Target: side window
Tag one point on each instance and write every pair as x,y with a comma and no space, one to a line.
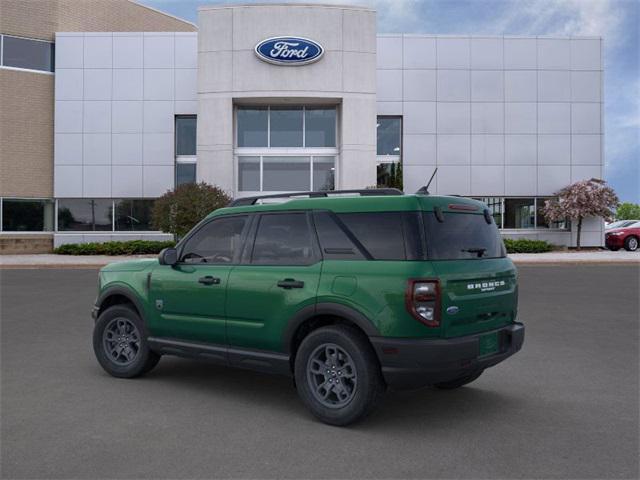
283,239
215,243
386,235
334,242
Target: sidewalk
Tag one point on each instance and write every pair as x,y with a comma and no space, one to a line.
94,261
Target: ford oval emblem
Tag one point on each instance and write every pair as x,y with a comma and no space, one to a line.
452,310
289,51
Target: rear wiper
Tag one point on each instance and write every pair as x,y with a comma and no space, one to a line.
479,251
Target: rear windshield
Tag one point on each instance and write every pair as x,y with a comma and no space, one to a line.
461,236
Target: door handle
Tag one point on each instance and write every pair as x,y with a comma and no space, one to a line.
289,283
209,280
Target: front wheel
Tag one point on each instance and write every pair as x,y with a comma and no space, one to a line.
120,343
337,375
459,382
631,244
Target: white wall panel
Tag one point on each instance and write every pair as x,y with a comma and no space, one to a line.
554,86
520,180
585,118
127,51
554,54
68,149
454,85
389,85
158,117
585,86
586,150
520,53
453,117
158,51
586,54
158,84
96,149
454,149
487,149
126,149
69,50
389,52
521,85
157,180
552,178
520,118
487,180
419,117
126,181
186,50
419,149
487,85
96,181
68,84
97,84
158,149
453,52
419,52
127,117
419,85
520,149
554,149
554,118
96,116
68,116
454,180
487,53
128,84
98,51
487,117
67,181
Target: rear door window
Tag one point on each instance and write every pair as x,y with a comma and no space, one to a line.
283,239
386,235
462,236
334,239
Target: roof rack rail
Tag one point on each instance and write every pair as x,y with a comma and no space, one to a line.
325,193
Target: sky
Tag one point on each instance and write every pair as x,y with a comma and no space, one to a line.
617,21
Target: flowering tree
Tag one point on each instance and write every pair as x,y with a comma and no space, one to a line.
586,198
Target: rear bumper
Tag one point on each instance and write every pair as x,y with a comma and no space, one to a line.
408,364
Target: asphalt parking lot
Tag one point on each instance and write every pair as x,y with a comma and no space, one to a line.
565,406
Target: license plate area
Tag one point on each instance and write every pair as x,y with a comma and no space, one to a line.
489,344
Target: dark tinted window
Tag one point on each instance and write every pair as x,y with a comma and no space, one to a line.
320,127
253,125
283,239
186,135
81,214
27,215
389,132
133,215
383,234
462,236
216,242
26,53
334,242
185,173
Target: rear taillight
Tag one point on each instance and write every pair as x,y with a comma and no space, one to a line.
423,301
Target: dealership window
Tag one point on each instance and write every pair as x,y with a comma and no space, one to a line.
26,215
286,148
133,215
104,215
186,140
26,53
86,215
521,213
389,151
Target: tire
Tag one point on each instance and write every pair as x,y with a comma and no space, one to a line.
122,323
614,249
459,382
631,243
342,355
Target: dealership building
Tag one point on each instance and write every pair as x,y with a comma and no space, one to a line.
109,104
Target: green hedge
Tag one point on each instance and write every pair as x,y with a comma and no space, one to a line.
524,245
132,247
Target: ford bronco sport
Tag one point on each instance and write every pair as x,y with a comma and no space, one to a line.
347,292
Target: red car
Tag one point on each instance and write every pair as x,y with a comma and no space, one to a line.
627,237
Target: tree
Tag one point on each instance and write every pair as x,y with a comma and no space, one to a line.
586,198
178,211
628,211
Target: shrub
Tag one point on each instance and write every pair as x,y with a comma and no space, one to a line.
132,247
178,211
524,245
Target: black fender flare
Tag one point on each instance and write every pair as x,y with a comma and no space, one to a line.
123,291
333,309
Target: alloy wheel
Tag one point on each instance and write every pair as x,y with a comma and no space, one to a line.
121,341
331,374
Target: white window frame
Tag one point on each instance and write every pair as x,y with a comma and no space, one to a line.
19,69
268,151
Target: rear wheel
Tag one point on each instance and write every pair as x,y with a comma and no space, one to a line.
631,244
120,343
459,382
337,375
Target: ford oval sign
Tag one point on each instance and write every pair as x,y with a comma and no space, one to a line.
289,51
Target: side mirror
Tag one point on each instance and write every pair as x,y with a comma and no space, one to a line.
168,256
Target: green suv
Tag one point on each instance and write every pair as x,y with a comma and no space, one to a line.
348,292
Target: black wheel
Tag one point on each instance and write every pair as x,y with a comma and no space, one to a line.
459,382
631,244
337,375
120,343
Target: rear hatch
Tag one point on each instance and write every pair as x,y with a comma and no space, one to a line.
478,283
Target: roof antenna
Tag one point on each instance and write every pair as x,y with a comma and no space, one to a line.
425,189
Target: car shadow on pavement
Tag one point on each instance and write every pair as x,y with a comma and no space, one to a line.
398,410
